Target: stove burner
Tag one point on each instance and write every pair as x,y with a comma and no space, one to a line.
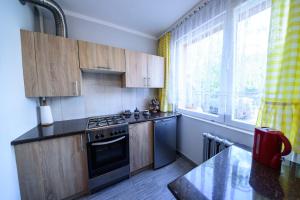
98,122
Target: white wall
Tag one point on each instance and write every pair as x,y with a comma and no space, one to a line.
190,140
17,113
82,29
102,93
90,31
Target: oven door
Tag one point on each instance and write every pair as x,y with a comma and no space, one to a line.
107,155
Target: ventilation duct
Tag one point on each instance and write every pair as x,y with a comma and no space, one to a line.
59,16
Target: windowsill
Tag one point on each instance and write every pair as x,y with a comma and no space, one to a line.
293,157
220,125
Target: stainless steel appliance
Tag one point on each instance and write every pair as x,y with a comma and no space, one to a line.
108,151
165,131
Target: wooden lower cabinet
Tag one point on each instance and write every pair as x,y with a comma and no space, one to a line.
52,169
141,145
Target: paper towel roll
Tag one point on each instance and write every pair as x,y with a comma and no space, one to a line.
46,115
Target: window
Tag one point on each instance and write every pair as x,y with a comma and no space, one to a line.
221,69
249,61
201,71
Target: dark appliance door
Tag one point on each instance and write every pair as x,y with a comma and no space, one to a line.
165,131
108,155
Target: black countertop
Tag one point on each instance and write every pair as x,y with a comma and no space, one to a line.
77,126
154,116
232,174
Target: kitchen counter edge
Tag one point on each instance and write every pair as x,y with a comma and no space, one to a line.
76,126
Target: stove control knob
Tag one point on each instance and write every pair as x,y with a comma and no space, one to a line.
111,133
97,136
102,135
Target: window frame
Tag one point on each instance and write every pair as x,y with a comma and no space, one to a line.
207,116
227,66
228,119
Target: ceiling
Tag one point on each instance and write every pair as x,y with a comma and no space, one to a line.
148,17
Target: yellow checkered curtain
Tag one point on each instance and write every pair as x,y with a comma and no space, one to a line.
280,108
164,51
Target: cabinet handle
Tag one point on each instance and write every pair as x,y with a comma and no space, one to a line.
81,143
145,82
76,88
100,67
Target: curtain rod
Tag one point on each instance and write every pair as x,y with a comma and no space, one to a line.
186,16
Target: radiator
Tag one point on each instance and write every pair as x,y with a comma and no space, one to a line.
213,145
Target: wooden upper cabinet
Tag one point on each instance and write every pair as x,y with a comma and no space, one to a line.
143,70
57,65
92,56
29,64
140,145
116,59
136,69
101,57
156,72
50,65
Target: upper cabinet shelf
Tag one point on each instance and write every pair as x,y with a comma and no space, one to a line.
97,57
52,65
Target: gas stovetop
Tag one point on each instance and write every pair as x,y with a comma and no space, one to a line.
105,121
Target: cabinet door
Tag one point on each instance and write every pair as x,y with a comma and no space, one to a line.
156,72
57,66
93,56
116,59
30,171
29,64
101,57
52,169
141,145
65,167
136,69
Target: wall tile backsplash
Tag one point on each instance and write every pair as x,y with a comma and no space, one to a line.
102,95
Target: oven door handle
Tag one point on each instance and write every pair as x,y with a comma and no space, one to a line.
109,142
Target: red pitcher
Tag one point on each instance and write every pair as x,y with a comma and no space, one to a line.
267,147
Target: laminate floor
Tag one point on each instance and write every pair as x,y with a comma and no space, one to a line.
147,185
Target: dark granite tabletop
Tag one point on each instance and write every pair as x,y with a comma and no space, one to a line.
232,174
77,126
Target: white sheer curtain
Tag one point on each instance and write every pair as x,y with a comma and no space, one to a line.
218,59
209,16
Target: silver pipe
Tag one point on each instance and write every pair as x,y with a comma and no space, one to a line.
59,16
39,20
